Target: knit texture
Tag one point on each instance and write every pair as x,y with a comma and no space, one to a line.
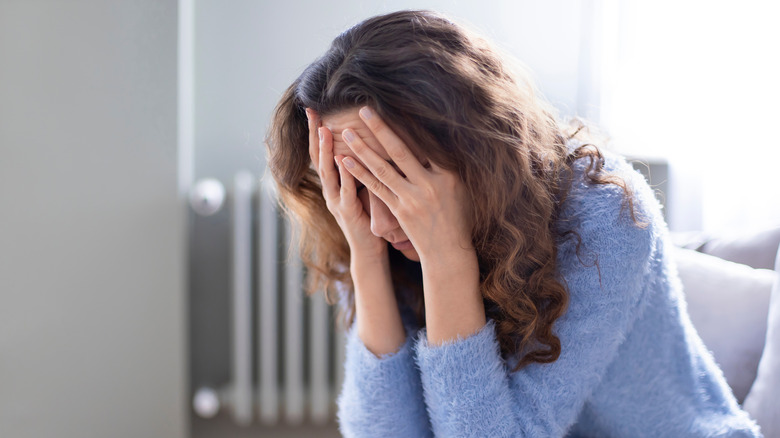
631,363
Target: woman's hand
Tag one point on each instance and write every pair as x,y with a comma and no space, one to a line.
432,207
378,319
429,202
339,191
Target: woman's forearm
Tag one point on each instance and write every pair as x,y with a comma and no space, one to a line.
377,316
453,302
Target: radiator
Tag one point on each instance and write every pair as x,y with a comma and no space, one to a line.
285,367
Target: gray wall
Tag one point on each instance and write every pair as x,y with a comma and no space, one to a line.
248,52
92,321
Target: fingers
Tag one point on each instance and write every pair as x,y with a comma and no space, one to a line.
348,186
378,166
371,182
327,166
321,152
394,145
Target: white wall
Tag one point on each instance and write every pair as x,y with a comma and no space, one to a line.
697,83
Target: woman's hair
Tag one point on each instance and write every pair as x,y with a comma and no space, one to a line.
454,100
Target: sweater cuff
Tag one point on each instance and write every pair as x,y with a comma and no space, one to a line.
360,354
480,344
465,383
381,396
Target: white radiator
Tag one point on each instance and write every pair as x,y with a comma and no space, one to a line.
292,330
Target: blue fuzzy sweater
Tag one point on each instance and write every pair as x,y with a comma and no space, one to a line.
631,363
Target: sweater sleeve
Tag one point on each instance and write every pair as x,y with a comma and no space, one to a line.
381,396
470,391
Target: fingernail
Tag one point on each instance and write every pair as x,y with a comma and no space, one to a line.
348,162
319,131
348,135
308,114
366,112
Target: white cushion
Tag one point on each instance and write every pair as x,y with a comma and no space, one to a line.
728,303
763,401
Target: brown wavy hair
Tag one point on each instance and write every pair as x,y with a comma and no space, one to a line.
456,101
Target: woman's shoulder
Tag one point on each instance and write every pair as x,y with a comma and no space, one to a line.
623,215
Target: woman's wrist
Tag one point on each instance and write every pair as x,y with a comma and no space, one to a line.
360,259
453,301
377,316
448,261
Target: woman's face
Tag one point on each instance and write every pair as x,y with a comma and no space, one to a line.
383,222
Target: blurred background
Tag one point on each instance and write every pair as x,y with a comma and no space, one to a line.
145,288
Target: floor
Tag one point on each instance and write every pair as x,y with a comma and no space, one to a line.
222,426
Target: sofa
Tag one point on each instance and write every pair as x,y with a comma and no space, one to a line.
732,290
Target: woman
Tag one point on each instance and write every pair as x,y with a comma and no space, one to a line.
499,275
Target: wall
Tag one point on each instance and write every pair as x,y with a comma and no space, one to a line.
247,53
92,340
